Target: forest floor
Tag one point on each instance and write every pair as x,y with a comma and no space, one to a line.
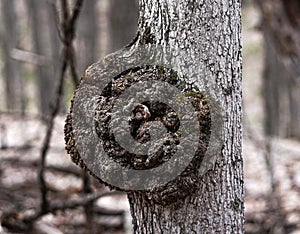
272,166
19,161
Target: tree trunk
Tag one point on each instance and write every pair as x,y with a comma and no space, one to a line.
122,23
201,41
281,24
55,45
88,35
41,39
13,70
212,29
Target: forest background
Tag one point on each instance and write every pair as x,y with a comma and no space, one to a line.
31,58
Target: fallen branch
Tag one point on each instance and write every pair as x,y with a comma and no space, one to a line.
19,221
66,170
81,201
29,57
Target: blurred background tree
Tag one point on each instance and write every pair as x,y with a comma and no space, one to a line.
32,50
12,69
122,23
281,83
44,43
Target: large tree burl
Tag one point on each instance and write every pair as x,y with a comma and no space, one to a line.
144,113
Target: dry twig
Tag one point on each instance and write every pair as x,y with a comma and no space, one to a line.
68,29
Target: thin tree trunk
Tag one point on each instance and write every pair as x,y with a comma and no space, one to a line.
211,28
88,35
37,10
55,46
273,90
13,72
122,20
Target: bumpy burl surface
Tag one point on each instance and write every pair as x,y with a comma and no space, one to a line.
141,116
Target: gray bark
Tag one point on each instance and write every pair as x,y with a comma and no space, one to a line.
122,22
13,70
211,28
192,34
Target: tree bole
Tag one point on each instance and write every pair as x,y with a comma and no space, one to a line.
209,32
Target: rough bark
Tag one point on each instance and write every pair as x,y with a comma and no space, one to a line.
281,24
212,28
122,20
13,70
209,35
